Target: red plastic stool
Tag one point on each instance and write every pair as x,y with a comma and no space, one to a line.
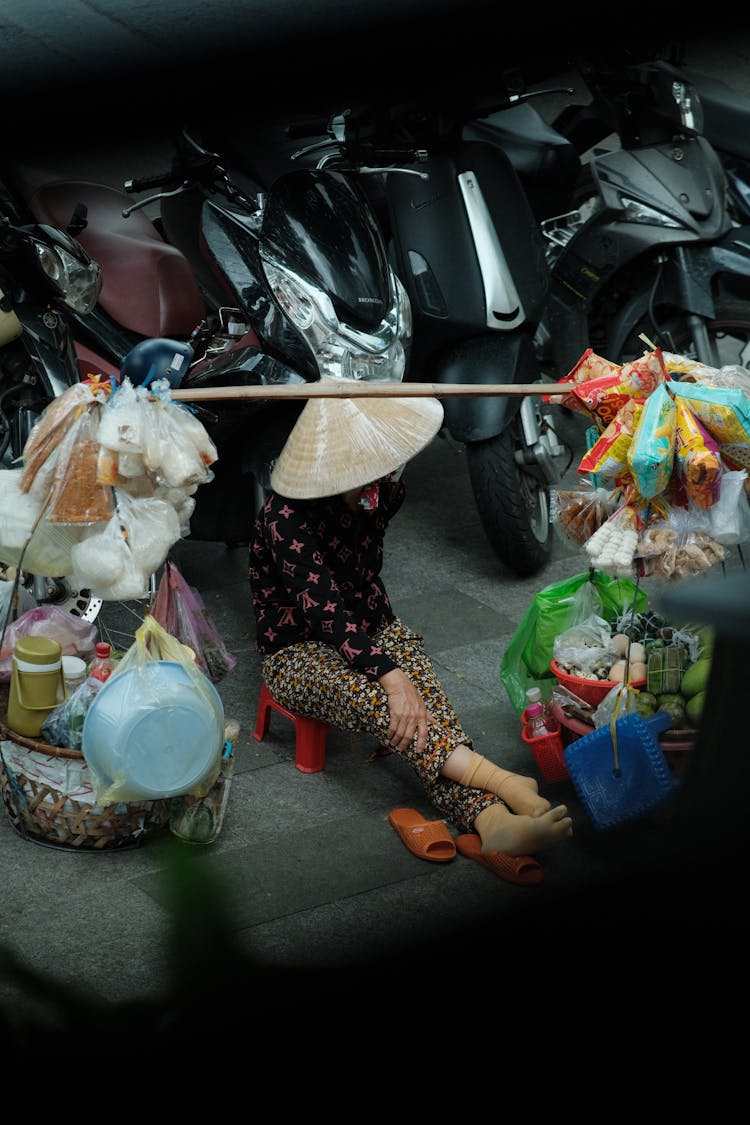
310,733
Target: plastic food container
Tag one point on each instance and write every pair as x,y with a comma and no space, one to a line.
590,691
155,736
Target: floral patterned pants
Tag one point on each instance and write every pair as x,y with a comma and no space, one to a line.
312,679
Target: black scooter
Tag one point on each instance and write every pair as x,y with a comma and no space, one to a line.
279,289
650,248
464,241
45,277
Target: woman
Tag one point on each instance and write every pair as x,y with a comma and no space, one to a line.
332,644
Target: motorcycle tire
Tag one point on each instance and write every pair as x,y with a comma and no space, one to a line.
513,505
729,332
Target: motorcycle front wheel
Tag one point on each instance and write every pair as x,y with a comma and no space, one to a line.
513,505
729,332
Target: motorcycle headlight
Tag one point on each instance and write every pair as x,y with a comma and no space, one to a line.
77,281
637,212
340,351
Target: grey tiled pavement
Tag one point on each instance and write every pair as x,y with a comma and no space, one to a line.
307,882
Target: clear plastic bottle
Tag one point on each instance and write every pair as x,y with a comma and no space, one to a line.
102,665
536,725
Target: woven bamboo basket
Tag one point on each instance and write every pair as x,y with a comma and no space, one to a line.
48,795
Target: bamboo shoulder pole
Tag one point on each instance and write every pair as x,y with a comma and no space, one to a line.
334,389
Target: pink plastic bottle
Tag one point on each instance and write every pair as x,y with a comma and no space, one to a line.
101,665
536,726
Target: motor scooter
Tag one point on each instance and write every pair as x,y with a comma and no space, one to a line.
284,288
45,276
650,248
523,242
463,239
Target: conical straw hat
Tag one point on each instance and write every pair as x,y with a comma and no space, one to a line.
343,443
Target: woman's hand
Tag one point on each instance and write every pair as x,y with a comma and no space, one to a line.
409,715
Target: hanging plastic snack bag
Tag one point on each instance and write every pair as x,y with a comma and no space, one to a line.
602,398
607,458
124,420
612,548
25,533
723,411
699,467
177,450
692,370
642,376
183,502
651,452
194,431
76,496
577,513
677,548
589,366
54,423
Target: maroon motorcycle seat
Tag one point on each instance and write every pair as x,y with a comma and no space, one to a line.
147,285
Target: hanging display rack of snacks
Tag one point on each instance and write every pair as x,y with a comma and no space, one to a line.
664,487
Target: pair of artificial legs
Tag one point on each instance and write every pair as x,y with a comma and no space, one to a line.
524,823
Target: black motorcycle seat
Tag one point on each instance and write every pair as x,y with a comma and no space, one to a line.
147,285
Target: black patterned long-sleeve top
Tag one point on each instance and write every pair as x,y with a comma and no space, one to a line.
315,575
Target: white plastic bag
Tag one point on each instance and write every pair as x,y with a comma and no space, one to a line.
104,563
729,517
49,549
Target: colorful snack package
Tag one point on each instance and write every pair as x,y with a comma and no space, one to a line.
601,398
697,458
723,411
608,456
651,452
612,547
589,366
691,370
642,376
578,513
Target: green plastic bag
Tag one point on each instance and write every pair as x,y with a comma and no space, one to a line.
559,606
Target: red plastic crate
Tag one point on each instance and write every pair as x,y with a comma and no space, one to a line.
548,751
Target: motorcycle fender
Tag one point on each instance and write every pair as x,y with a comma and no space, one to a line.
482,360
604,247
730,259
688,283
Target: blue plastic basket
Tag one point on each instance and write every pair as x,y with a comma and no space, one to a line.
620,784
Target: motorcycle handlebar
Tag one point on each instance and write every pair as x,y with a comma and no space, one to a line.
146,183
303,129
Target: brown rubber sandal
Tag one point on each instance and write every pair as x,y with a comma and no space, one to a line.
523,870
427,839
